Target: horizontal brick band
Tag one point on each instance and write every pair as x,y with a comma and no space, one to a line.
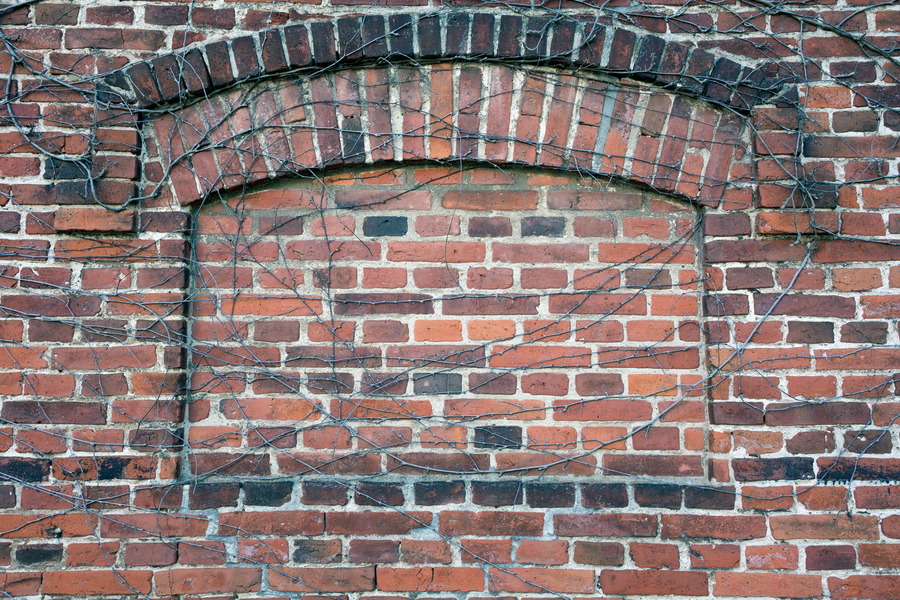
568,42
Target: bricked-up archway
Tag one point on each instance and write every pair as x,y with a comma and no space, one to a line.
416,320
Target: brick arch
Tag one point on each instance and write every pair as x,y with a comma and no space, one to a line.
449,112
683,136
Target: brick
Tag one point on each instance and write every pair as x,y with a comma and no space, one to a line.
874,587
651,582
790,527
487,523
606,525
830,558
767,584
727,528
607,554
430,579
536,580
319,580
498,493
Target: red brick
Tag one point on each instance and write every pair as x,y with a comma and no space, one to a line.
654,583
490,523
96,582
727,528
767,585
715,556
609,525
490,200
865,587
540,580
319,580
824,527
430,579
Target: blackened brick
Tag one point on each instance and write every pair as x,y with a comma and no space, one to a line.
400,36
374,551
429,28
537,32
658,495
218,56
296,39
622,49
168,76
694,77
433,493
214,495
165,15
483,35
272,49
379,494
563,39
649,56
350,37
144,84
322,492
604,495
38,553
593,39
7,496
438,383
607,554
373,37
868,442
724,75
324,51
245,57
709,498
385,226
457,34
24,469
770,469
508,41
550,495
830,558
503,493
9,222
267,493
194,73
498,436
864,332
672,63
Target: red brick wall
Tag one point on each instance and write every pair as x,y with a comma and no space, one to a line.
481,304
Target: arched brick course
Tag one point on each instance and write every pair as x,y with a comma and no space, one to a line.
243,95
447,112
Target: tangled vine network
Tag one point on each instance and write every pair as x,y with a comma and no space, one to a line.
456,255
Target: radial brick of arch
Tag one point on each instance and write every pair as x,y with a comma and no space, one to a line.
490,113
261,107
